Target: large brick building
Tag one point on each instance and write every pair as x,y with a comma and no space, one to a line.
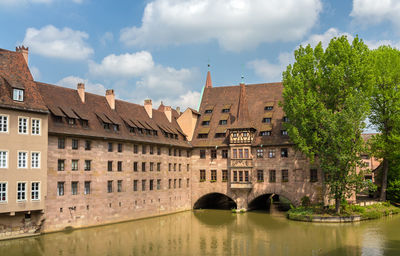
104,160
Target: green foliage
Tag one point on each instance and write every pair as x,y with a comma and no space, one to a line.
326,98
393,191
305,201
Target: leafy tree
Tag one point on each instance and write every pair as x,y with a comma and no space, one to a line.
326,98
385,109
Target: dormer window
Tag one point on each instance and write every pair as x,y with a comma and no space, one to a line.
18,94
223,122
268,108
208,111
225,110
266,120
265,133
205,123
284,133
116,127
106,126
71,121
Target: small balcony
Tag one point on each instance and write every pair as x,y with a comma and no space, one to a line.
241,185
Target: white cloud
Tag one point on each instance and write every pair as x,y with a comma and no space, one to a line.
375,44
269,71
72,81
189,99
127,65
373,11
65,43
326,37
35,73
235,24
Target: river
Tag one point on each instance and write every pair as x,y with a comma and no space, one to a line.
217,232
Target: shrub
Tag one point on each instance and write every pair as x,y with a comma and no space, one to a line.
305,201
393,191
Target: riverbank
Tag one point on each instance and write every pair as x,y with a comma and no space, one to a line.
349,213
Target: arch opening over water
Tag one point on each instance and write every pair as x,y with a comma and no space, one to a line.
268,202
215,201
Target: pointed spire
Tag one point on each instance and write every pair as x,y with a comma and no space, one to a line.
208,81
243,116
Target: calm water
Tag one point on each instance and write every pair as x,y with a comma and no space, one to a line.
217,232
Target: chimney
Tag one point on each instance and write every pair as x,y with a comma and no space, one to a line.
24,50
178,109
110,96
168,113
81,91
148,106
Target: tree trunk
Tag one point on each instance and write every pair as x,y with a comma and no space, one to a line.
337,205
385,169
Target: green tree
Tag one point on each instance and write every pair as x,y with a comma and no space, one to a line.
326,98
385,109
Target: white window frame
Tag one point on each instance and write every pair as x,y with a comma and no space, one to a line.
18,191
38,160
6,160
26,160
17,96
26,125
38,191
38,128
6,192
2,116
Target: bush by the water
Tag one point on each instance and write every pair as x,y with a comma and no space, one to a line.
393,191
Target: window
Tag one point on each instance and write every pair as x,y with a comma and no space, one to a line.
265,133
284,133
285,119
85,123
109,186
272,176
143,185
260,153
110,147
271,153
74,187
18,94
208,111
119,166
88,164
22,159
135,185
213,153
187,182
223,122
213,175
3,192
109,166
175,152
75,144
71,121
169,183
35,126
143,167
61,143
240,153
202,136
246,153
135,149
268,108
169,167
151,150
35,191
60,165
170,152
313,175
74,165
60,188
285,175
151,166
202,175
246,176
202,153
119,186
225,110
187,153
87,188
88,145
143,149
235,178
158,184
266,120
158,151
158,167
240,176
23,125
260,175
180,183
3,159
174,167
284,152
120,147
234,153
21,191
3,123
35,160
151,184
224,175
187,167
135,166
174,183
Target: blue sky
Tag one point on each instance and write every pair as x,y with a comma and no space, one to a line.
160,49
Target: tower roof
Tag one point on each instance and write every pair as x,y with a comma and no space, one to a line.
208,81
242,116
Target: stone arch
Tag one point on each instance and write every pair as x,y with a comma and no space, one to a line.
214,200
257,195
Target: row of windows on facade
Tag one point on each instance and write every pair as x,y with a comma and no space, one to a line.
120,146
223,134
243,176
267,120
152,185
22,191
88,166
23,159
243,153
23,124
227,110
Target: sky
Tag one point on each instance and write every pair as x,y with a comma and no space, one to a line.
160,49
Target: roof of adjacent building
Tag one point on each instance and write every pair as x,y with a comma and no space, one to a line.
246,105
66,102
14,73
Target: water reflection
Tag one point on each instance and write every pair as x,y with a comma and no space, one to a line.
217,232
